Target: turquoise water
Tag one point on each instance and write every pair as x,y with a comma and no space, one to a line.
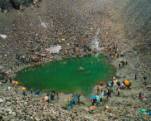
68,75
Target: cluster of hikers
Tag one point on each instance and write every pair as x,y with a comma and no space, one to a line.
51,96
102,91
105,90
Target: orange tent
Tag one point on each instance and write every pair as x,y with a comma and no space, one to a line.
127,83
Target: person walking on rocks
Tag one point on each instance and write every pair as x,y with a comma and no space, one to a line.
135,76
109,91
118,91
24,93
46,98
98,89
52,95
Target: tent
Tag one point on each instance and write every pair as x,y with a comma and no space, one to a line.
127,83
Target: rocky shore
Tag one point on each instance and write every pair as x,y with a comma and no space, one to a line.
15,107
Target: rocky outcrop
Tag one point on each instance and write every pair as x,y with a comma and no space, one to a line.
16,4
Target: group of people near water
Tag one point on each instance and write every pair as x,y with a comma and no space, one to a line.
51,96
105,90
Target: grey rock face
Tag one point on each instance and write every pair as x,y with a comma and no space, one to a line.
16,4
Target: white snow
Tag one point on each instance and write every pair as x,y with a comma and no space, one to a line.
55,49
43,24
3,36
95,41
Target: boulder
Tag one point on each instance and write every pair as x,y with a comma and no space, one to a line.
16,4
1,100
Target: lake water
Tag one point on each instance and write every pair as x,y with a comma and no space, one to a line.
68,75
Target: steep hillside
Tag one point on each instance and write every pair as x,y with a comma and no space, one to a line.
136,18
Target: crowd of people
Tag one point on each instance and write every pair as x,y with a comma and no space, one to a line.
103,91
106,90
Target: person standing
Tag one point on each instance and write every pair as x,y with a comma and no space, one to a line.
108,93
118,91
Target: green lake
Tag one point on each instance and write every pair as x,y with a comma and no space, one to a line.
68,75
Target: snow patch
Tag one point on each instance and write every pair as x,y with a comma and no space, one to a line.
54,49
3,36
94,45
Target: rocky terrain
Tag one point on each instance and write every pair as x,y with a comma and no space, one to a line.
124,34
